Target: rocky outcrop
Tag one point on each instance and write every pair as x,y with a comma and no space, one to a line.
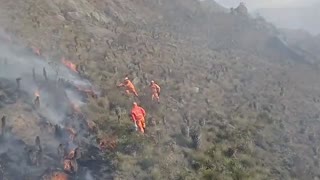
240,10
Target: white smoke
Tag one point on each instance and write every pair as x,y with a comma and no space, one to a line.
16,61
88,176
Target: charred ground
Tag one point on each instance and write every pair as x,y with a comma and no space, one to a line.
245,99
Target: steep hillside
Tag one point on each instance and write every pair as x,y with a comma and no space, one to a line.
237,101
294,18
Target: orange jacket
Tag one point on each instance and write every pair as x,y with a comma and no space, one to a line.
137,113
155,88
128,84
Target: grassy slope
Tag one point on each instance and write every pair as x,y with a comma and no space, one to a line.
181,46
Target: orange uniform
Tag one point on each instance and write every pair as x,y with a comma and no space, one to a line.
129,87
138,116
155,89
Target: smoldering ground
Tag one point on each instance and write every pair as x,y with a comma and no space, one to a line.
17,62
34,103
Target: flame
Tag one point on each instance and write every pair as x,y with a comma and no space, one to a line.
69,65
67,165
36,93
71,154
71,130
75,108
59,176
36,51
108,143
83,89
70,166
92,126
72,133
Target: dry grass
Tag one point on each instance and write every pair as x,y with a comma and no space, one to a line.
225,56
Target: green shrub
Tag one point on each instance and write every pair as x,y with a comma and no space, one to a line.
146,163
210,174
156,174
246,161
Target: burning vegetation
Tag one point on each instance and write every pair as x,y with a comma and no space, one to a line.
37,100
55,175
54,110
107,143
69,65
87,92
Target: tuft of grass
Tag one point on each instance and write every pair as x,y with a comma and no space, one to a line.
155,174
146,163
126,162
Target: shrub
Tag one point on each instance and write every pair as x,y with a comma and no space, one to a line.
196,139
156,174
146,163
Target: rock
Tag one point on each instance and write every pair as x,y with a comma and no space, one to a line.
60,18
241,9
196,89
73,15
96,16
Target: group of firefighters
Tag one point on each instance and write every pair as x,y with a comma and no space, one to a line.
138,114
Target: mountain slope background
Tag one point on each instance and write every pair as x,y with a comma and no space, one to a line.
249,97
294,18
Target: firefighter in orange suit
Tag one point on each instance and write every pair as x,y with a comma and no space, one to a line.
138,115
